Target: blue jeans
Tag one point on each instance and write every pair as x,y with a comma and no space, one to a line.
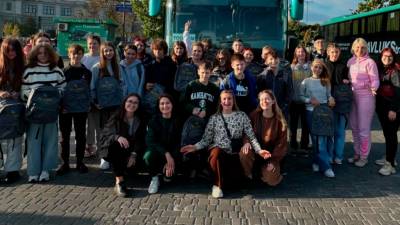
320,144
339,138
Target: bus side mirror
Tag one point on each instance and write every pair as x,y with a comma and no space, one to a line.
296,9
154,7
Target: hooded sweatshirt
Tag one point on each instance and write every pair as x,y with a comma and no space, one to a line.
363,73
133,76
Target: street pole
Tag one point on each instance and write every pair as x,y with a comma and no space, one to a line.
123,23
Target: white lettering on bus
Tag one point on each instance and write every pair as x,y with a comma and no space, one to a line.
377,46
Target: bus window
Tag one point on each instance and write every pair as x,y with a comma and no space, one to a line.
355,27
375,24
393,21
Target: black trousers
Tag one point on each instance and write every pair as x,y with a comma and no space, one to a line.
65,121
119,158
298,111
390,129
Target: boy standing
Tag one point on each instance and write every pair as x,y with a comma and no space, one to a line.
75,107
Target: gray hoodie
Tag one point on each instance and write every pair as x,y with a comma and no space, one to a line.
133,76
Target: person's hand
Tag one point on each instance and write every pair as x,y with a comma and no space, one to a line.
131,161
188,149
170,165
123,142
392,115
202,114
314,101
188,24
149,86
246,148
264,154
5,94
346,81
373,91
331,102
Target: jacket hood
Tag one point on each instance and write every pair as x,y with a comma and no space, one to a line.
124,64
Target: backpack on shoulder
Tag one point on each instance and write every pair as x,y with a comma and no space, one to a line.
149,102
11,118
343,97
108,92
185,73
43,104
193,130
76,97
322,121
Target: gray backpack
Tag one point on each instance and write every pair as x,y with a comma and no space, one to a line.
11,118
185,73
193,130
108,92
343,97
43,104
149,102
322,121
76,97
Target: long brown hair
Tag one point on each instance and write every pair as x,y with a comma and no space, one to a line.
103,61
325,77
183,57
235,107
295,59
33,56
16,65
275,109
122,112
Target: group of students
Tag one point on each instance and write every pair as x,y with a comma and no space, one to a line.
180,114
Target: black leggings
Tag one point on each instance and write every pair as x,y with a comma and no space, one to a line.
119,158
390,129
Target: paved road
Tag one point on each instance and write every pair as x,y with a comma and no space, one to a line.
356,196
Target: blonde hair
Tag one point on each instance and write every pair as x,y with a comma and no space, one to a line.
230,92
324,77
359,41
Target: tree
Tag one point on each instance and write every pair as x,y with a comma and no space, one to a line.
368,5
28,27
11,29
152,26
303,32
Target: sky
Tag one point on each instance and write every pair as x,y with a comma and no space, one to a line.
322,10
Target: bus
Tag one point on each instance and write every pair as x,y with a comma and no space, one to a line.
380,28
256,22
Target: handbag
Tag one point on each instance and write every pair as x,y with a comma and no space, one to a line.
236,143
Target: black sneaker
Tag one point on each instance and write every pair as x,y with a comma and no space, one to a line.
120,189
64,169
12,177
82,168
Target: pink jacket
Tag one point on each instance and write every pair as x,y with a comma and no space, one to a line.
363,73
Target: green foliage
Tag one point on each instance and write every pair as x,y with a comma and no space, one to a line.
153,27
29,27
368,5
11,29
303,32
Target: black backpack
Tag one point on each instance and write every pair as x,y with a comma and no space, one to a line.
193,130
108,92
343,98
322,121
149,102
11,118
43,104
76,97
185,73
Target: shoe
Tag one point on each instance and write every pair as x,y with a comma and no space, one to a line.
82,168
33,179
216,192
120,189
167,179
154,185
338,161
90,151
353,159
44,176
387,169
381,162
315,167
12,177
329,173
104,165
361,163
64,169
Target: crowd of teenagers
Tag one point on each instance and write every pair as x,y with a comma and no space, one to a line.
197,111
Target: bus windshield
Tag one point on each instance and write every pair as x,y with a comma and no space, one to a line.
253,21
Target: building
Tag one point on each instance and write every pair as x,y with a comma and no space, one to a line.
40,12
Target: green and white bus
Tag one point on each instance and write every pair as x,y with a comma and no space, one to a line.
255,22
380,28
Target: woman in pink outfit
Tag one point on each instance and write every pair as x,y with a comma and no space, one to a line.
364,77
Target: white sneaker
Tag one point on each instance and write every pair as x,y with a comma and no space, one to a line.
154,184
104,165
44,176
329,173
315,167
381,162
361,163
387,169
33,179
338,161
216,192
